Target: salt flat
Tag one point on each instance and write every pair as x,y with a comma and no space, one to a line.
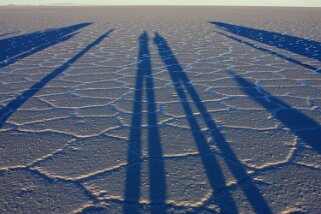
160,110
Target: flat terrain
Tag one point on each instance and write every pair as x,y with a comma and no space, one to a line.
160,110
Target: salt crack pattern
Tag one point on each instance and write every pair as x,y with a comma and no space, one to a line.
209,116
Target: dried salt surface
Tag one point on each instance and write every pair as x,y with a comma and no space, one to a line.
196,119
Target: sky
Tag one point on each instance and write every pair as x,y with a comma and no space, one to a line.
294,3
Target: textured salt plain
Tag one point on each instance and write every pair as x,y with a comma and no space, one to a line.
160,110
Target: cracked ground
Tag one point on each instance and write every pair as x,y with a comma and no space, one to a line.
160,110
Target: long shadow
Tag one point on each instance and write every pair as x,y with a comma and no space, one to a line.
211,165
303,47
289,59
16,48
301,125
6,34
7,111
157,179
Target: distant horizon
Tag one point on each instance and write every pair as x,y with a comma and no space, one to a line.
146,5
236,3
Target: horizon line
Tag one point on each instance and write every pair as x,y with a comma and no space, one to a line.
152,5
